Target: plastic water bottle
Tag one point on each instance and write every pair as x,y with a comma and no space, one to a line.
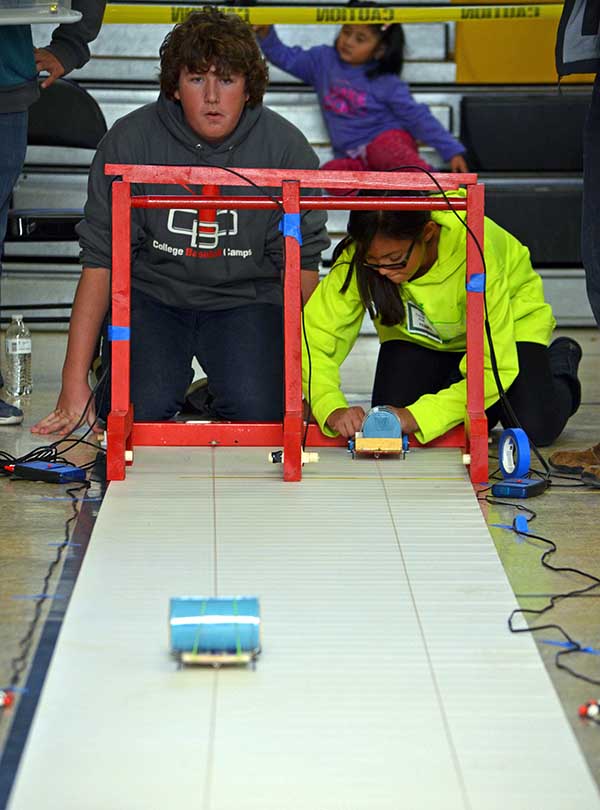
18,358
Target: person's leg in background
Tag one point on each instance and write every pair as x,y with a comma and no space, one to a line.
13,137
587,462
405,371
546,391
241,351
544,395
346,164
392,149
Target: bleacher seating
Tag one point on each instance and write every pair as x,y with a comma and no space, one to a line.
527,147
526,143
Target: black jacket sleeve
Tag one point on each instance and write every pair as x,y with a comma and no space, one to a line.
70,40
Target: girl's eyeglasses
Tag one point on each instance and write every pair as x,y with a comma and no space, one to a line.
396,265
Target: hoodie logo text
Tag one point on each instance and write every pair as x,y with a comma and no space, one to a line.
203,235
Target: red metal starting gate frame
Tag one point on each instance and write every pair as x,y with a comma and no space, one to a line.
124,433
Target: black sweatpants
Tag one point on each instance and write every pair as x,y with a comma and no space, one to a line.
541,401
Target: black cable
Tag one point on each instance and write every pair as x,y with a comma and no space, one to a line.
521,507
18,664
49,452
575,646
492,477
309,382
577,482
261,189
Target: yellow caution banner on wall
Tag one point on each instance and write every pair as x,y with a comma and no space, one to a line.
337,15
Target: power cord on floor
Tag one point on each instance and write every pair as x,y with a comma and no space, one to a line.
549,477
520,527
50,452
19,663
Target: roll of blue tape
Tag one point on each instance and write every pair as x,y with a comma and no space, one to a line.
513,453
381,423
214,624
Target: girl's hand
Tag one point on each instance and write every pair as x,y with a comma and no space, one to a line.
458,164
261,31
69,412
407,420
346,421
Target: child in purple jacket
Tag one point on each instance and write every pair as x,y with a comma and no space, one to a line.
372,119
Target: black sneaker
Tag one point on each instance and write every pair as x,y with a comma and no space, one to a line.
9,415
199,400
564,355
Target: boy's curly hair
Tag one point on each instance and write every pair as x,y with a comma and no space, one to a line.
209,37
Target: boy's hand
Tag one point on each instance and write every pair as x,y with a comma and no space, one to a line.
346,421
44,60
261,31
69,413
458,164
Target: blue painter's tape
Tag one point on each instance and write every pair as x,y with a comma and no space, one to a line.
476,283
514,455
119,333
66,545
568,646
510,528
215,624
36,596
289,225
521,524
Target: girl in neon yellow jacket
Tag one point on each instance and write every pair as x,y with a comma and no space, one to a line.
407,270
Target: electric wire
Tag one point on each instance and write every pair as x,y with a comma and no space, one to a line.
574,646
19,662
50,452
576,482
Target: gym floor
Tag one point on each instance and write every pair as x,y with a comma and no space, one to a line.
33,517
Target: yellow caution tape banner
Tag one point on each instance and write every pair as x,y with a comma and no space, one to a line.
336,15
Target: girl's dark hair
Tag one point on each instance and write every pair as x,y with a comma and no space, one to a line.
380,296
209,37
392,41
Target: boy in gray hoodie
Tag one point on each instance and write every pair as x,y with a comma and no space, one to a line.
216,293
